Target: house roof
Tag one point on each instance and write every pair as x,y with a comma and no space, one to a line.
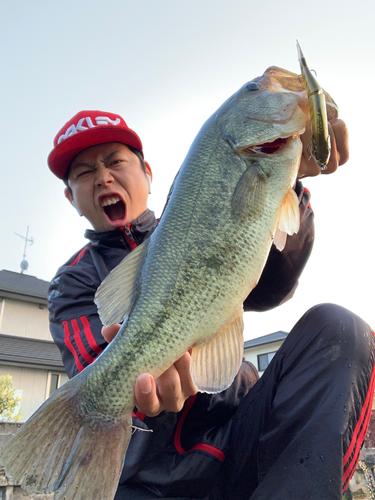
266,339
26,351
23,286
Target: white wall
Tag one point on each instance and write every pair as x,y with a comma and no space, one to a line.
24,319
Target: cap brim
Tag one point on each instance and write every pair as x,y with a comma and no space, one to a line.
62,155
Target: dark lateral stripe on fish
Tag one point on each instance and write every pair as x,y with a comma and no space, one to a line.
359,434
79,256
69,345
89,336
212,450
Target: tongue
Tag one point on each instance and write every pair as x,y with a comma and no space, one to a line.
116,211
268,147
272,147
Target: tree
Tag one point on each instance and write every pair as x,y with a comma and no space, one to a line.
10,410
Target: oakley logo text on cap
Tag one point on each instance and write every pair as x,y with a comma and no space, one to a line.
100,120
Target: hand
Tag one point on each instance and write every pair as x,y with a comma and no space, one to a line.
339,150
167,392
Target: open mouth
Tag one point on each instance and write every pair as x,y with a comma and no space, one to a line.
114,208
267,148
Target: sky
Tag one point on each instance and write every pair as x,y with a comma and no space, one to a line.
166,66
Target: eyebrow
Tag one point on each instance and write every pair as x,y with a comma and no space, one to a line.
84,164
110,155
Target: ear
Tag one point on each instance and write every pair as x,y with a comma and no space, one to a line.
68,196
148,169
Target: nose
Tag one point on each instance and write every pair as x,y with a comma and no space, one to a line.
103,177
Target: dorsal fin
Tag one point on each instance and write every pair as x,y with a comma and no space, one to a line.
114,297
216,362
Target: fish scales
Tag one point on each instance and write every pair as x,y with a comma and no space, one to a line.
163,325
182,288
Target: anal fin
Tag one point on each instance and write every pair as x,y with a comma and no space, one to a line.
216,362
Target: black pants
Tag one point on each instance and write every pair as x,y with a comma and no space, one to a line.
299,431
297,434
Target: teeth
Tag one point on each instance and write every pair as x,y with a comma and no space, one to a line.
110,201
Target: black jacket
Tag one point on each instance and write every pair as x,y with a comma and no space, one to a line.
191,444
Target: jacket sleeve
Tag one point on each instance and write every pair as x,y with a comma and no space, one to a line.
74,323
283,269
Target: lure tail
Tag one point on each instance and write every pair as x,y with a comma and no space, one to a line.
59,451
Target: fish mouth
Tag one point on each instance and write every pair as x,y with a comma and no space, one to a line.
114,209
273,146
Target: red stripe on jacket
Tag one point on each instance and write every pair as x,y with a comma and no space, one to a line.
216,452
90,337
308,192
141,416
78,256
82,349
359,433
69,345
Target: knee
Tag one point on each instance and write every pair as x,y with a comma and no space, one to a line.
337,326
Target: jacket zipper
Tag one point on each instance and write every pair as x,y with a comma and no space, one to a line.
129,236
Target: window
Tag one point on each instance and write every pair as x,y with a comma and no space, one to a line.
54,381
264,360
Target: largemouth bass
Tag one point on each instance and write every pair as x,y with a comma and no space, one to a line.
182,288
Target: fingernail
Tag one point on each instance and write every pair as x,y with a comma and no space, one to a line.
144,383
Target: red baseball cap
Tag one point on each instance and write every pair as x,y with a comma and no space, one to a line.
87,129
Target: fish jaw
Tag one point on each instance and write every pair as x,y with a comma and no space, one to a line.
267,121
276,79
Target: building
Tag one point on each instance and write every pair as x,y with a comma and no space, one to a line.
261,350
27,351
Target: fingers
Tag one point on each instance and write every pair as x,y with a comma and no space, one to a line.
168,392
146,397
340,132
308,167
339,150
176,385
110,332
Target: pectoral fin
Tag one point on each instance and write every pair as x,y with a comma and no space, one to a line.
289,219
216,362
114,297
250,194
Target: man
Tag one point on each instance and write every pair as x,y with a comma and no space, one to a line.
296,433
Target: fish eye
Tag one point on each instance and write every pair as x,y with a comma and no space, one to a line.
252,86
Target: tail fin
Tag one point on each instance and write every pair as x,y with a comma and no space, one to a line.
59,450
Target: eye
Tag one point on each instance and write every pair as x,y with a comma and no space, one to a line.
252,86
116,161
82,172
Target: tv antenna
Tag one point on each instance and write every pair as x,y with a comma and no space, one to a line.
24,263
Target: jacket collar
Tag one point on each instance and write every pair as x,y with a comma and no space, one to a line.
141,228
